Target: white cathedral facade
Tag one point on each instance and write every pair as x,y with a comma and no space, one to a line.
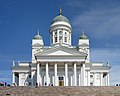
60,64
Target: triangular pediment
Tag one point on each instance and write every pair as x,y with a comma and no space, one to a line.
60,51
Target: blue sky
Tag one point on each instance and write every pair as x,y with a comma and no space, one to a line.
20,19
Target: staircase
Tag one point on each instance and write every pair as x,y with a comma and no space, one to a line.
60,91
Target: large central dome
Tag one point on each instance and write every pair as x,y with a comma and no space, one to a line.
60,17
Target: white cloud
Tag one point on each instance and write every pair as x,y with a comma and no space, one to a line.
98,20
104,54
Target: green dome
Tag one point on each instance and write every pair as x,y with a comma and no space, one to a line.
83,36
60,18
37,36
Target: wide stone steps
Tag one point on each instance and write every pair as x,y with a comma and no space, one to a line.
60,91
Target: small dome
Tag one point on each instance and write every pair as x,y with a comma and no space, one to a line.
37,36
83,36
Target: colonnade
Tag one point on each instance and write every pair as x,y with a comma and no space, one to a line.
83,76
74,78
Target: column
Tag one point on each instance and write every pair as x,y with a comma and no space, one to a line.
47,75
63,36
38,73
32,75
56,78
79,79
13,77
101,79
71,80
107,79
88,75
83,75
75,75
70,39
94,79
53,38
66,74
58,36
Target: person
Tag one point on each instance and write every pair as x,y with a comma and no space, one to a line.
36,84
45,83
5,83
51,84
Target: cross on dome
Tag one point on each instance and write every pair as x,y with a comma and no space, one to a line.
38,32
60,13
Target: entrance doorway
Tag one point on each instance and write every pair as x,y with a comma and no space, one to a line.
61,81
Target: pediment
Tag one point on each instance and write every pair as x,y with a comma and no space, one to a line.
60,51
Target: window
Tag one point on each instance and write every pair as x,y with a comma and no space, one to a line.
55,33
65,39
60,78
65,33
56,39
91,76
60,38
60,33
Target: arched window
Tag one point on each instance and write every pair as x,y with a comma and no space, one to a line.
65,37
55,36
60,35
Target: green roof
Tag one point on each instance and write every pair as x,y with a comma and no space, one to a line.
83,36
60,17
37,36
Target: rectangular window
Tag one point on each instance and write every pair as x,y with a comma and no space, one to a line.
91,76
55,39
65,39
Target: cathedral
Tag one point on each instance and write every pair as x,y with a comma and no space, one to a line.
60,64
